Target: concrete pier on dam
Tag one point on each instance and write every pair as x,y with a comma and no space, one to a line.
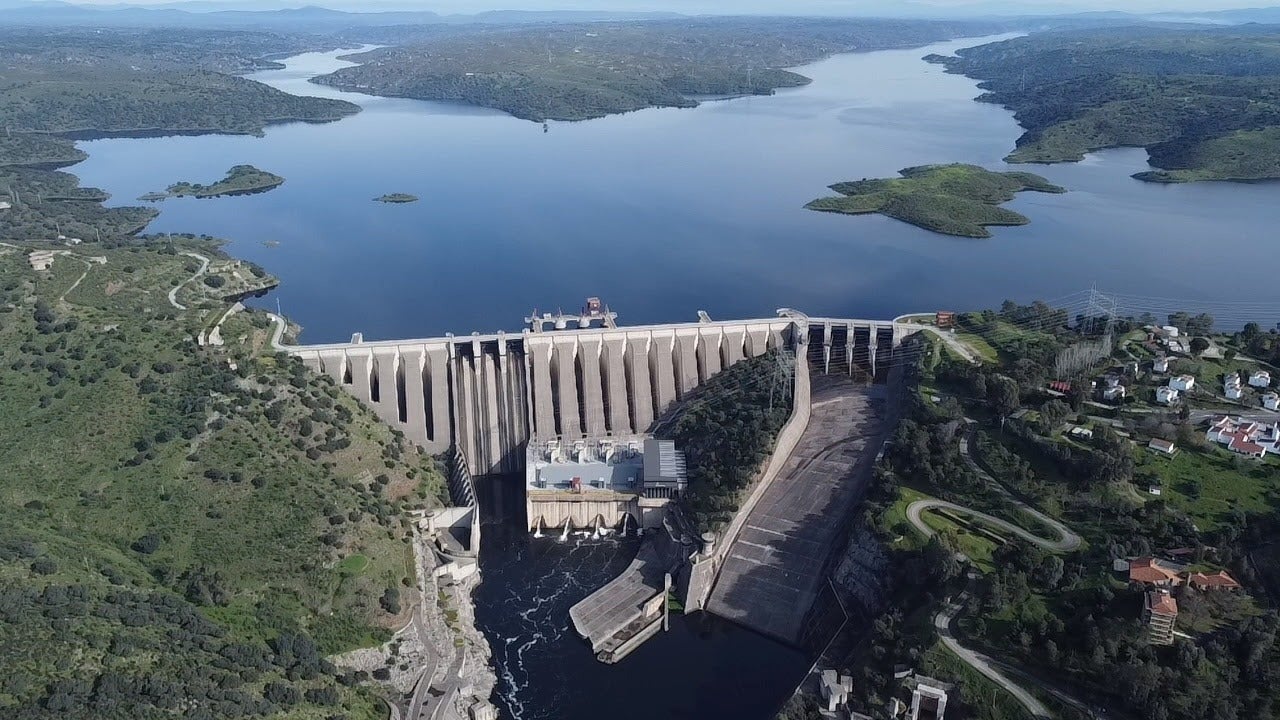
488,396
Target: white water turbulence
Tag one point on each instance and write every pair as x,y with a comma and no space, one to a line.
541,579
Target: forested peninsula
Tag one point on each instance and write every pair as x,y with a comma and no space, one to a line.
960,200
590,70
1203,102
190,528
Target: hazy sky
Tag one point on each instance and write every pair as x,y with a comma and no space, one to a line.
781,7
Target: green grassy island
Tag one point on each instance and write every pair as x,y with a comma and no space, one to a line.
240,180
956,199
397,198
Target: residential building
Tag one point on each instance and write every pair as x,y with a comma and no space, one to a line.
1153,571
1182,383
927,703
1243,438
1081,433
1220,580
1159,613
944,319
1164,447
1161,364
835,689
1231,387
1260,379
1114,393
1154,490
1166,395
1271,401
1170,331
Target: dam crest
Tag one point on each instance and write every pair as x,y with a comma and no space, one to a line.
489,396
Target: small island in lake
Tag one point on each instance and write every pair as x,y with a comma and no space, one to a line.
397,198
956,199
240,180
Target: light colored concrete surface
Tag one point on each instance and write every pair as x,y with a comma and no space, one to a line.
775,567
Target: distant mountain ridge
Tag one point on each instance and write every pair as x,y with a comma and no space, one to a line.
313,17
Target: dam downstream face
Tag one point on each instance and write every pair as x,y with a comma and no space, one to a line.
702,668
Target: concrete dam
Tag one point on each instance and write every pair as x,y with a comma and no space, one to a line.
489,396
574,409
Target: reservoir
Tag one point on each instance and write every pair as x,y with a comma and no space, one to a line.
664,212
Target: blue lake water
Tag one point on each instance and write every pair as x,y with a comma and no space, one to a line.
666,211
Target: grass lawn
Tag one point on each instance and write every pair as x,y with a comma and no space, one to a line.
979,345
1224,481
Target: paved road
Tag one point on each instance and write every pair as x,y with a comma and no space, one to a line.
950,340
204,266
1068,540
915,509
980,662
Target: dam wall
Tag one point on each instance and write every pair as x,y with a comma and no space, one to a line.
488,396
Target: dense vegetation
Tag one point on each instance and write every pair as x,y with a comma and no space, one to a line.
1205,102
57,83
47,204
397,198
240,180
188,530
581,71
1067,621
158,484
957,199
726,430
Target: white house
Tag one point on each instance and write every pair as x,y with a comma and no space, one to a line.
1116,392
1271,401
1164,447
1161,364
1231,387
1170,330
1244,437
1166,395
1182,383
1081,433
1260,379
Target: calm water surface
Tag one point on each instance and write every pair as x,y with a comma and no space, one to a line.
666,211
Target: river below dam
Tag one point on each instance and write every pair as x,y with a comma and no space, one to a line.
661,213
702,668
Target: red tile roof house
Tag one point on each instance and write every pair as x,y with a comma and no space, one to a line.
1151,571
1215,581
1243,438
1160,613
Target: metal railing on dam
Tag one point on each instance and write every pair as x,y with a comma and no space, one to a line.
489,395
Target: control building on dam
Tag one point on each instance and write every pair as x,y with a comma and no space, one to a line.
490,396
